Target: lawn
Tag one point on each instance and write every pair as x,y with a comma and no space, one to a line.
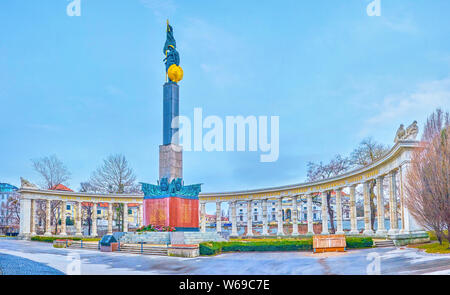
434,246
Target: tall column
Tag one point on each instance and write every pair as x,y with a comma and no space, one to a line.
234,231
48,230
265,229
218,217
309,215
324,214
381,230
393,203
294,216
367,218
202,217
141,215
353,219
280,231
33,218
25,217
78,220
125,217
94,220
110,217
249,218
340,229
63,208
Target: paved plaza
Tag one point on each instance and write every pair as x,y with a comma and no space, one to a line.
26,257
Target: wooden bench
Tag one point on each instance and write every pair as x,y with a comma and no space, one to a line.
329,243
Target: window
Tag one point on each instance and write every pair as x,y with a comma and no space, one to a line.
130,211
99,212
304,216
241,218
68,207
256,217
256,210
273,209
315,216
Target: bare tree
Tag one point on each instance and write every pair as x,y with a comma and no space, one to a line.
10,214
365,154
336,166
52,170
114,176
428,177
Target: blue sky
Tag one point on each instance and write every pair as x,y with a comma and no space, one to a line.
86,87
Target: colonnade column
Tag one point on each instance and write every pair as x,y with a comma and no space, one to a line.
353,219
47,218
63,208
110,216
234,232
249,219
294,216
141,215
94,220
381,230
265,230
393,203
340,229
367,218
202,217
324,214
309,215
218,217
32,217
280,231
78,219
125,217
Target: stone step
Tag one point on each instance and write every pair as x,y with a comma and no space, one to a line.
384,243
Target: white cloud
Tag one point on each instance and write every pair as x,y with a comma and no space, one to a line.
162,9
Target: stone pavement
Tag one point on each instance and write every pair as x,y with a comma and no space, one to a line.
74,261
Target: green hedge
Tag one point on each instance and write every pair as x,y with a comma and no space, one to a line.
357,242
51,239
212,248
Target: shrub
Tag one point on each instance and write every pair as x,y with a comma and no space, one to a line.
51,239
155,228
359,242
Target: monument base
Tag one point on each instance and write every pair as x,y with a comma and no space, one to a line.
175,211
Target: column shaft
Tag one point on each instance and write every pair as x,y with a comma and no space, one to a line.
309,216
63,208
367,218
94,220
218,217
78,220
125,217
380,207
353,219
280,230
202,217
48,230
32,217
234,231
294,216
340,229
265,229
110,217
249,219
393,203
324,214
141,215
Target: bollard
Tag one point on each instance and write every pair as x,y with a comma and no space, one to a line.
142,247
118,246
81,244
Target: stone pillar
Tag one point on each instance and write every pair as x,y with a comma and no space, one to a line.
353,219
110,218
393,203
381,230
234,231
33,217
141,215
280,231
265,229
202,217
340,229
48,230
218,217
367,218
63,208
324,214
125,217
294,216
249,218
310,215
25,217
78,220
94,220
